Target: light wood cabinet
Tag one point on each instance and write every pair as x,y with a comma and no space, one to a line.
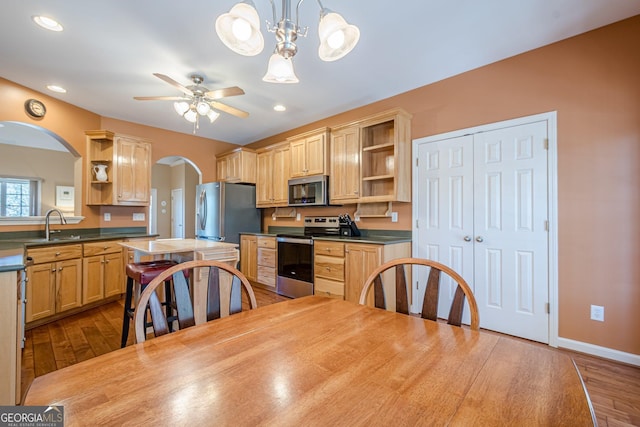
54,281
258,259
238,165
309,153
345,165
267,261
11,333
376,150
249,256
360,261
272,185
102,272
328,268
128,167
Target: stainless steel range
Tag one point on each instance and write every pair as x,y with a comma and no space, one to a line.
295,255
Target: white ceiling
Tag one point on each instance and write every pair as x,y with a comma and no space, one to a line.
109,50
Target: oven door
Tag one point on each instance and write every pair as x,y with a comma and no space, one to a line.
295,267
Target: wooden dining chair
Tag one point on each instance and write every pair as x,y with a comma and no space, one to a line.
217,292
430,301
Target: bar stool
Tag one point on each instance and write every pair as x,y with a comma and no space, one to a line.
143,273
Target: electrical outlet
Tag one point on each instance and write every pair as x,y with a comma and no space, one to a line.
107,216
298,216
138,216
597,313
394,216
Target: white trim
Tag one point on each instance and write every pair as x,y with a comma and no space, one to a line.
596,350
36,220
551,118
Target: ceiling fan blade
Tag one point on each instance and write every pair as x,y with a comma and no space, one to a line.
223,93
228,109
161,98
174,83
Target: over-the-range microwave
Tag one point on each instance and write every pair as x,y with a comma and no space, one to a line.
309,191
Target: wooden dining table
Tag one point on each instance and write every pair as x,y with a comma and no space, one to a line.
317,361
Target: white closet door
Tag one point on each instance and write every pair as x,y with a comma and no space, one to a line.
480,203
510,238
443,195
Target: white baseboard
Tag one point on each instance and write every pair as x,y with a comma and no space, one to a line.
595,350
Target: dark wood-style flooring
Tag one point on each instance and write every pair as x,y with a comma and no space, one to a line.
614,388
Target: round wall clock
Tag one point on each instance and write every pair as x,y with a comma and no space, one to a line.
35,108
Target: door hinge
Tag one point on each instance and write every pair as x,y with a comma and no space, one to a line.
417,161
547,308
417,224
546,225
546,143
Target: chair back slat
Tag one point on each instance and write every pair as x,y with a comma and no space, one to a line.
183,300
431,295
455,313
432,292
160,326
402,297
213,294
183,303
378,293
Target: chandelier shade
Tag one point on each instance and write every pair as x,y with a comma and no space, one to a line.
280,70
239,30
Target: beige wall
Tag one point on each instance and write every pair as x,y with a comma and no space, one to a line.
34,163
593,82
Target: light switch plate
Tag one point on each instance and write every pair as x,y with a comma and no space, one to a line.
394,216
107,216
138,216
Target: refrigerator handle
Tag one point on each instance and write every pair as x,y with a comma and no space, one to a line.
203,209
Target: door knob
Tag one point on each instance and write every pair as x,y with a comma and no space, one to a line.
467,238
479,239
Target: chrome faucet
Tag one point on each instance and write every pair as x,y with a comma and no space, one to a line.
47,231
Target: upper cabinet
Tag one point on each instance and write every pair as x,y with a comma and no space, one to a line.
371,159
309,153
118,169
273,176
238,165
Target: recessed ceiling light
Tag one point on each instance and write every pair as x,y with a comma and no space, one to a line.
279,107
55,88
47,23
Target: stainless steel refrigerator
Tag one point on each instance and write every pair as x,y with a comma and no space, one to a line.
224,210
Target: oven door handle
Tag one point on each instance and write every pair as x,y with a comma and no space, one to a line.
295,240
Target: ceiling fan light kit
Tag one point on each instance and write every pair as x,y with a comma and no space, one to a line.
239,30
197,100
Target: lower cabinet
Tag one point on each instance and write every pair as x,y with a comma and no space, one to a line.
66,277
258,259
102,273
53,288
340,269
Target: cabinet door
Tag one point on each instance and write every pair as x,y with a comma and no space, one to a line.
113,277
266,180
41,284
221,169
233,168
360,261
92,279
281,174
315,156
133,172
298,151
345,165
68,284
249,256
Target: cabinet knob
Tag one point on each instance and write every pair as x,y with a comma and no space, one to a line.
57,253
53,270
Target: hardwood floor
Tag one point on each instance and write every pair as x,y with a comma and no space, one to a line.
614,388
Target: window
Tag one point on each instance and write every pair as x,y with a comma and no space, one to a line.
19,197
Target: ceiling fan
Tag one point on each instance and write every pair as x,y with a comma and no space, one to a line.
198,100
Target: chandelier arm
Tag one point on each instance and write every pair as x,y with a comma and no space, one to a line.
298,15
272,26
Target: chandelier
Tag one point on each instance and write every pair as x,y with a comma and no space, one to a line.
239,30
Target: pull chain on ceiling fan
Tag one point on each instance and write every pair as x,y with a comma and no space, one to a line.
198,100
